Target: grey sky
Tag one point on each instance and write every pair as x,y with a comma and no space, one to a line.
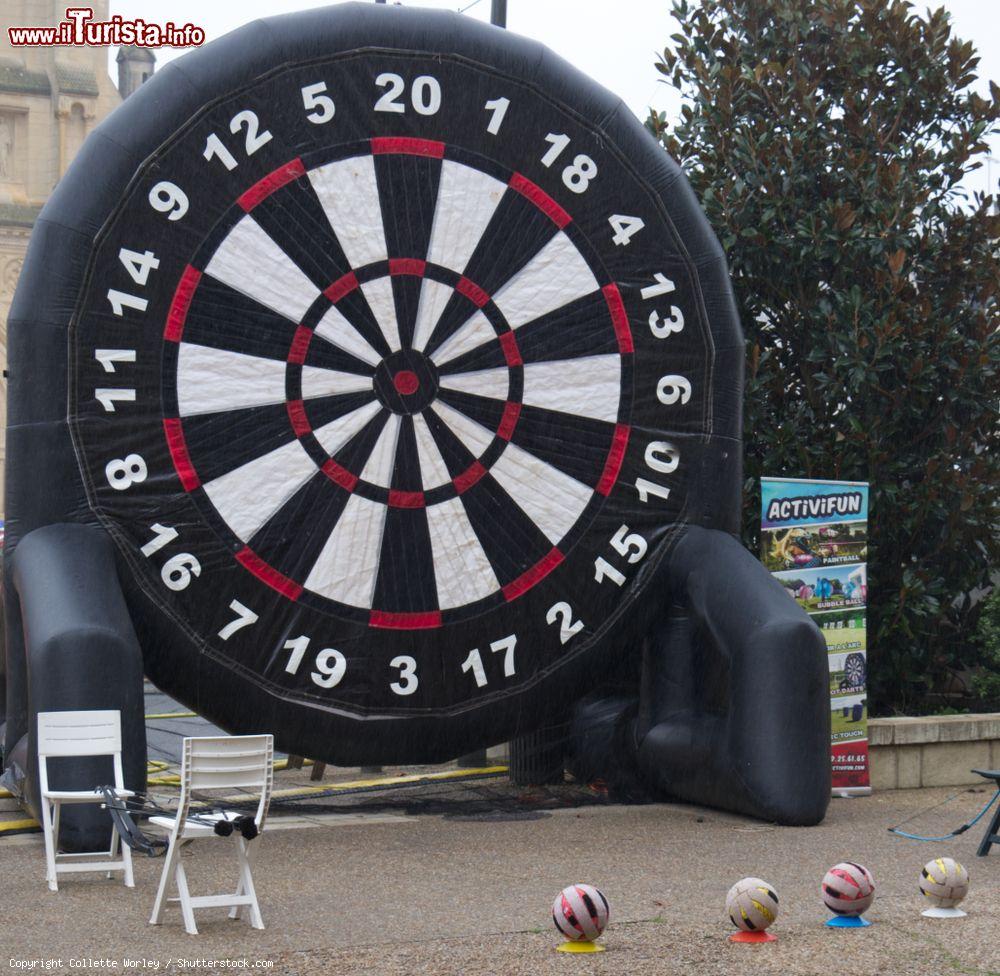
613,41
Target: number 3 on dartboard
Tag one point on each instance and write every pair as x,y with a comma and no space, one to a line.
408,682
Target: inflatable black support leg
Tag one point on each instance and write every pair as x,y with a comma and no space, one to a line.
81,653
761,744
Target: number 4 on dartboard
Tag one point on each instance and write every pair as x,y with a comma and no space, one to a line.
625,228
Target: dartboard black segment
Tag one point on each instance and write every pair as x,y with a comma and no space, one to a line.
405,372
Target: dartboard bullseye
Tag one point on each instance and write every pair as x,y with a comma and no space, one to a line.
391,379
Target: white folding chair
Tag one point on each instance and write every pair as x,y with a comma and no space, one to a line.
79,734
241,762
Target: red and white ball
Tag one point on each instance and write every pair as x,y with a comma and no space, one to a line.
944,882
752,905
848,889
580,913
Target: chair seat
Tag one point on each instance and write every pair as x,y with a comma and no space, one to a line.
204,826
81,796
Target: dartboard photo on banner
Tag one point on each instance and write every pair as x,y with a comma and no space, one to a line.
404,390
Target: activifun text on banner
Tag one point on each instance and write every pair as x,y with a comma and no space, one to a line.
814,539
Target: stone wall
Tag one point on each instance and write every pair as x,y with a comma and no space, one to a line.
937,750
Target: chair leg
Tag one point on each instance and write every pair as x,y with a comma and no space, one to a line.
169,863
57,810
127,864
236,910
247,884
187,910
50,843
992,835
113,849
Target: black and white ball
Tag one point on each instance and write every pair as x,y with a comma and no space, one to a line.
944,882
580,912
752,905
848,889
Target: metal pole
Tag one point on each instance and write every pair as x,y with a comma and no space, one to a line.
498,13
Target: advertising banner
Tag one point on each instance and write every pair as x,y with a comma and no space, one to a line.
814,539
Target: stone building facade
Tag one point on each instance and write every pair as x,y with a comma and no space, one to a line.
50,99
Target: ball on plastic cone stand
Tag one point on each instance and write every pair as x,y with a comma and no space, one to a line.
848,890
944,883
752,905
580,913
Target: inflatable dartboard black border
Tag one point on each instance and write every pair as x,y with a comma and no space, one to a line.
44,484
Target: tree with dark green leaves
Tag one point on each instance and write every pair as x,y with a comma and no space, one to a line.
828,141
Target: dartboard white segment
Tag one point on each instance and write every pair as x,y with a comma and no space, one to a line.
551,499
210,380
587,387
335,329
433,470
383,306
378,467
491,383
249,495
461,569
466,201
473,435
250,262
347,566
555,276
319,382
334,435
433,298
348,193
469,336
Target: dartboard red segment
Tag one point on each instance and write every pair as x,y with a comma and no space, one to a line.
472,291
538,572
341,287
300,345
247,558
178,452
620,318
545,203
616,456
409,146
273,181
405,621
181,302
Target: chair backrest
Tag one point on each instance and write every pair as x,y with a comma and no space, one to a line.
91,733
238,762
79,733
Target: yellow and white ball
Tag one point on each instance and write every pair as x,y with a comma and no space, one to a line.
752,905
944,882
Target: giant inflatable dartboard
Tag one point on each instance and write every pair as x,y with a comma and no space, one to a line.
392,374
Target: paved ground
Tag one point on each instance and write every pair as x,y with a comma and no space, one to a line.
388,893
